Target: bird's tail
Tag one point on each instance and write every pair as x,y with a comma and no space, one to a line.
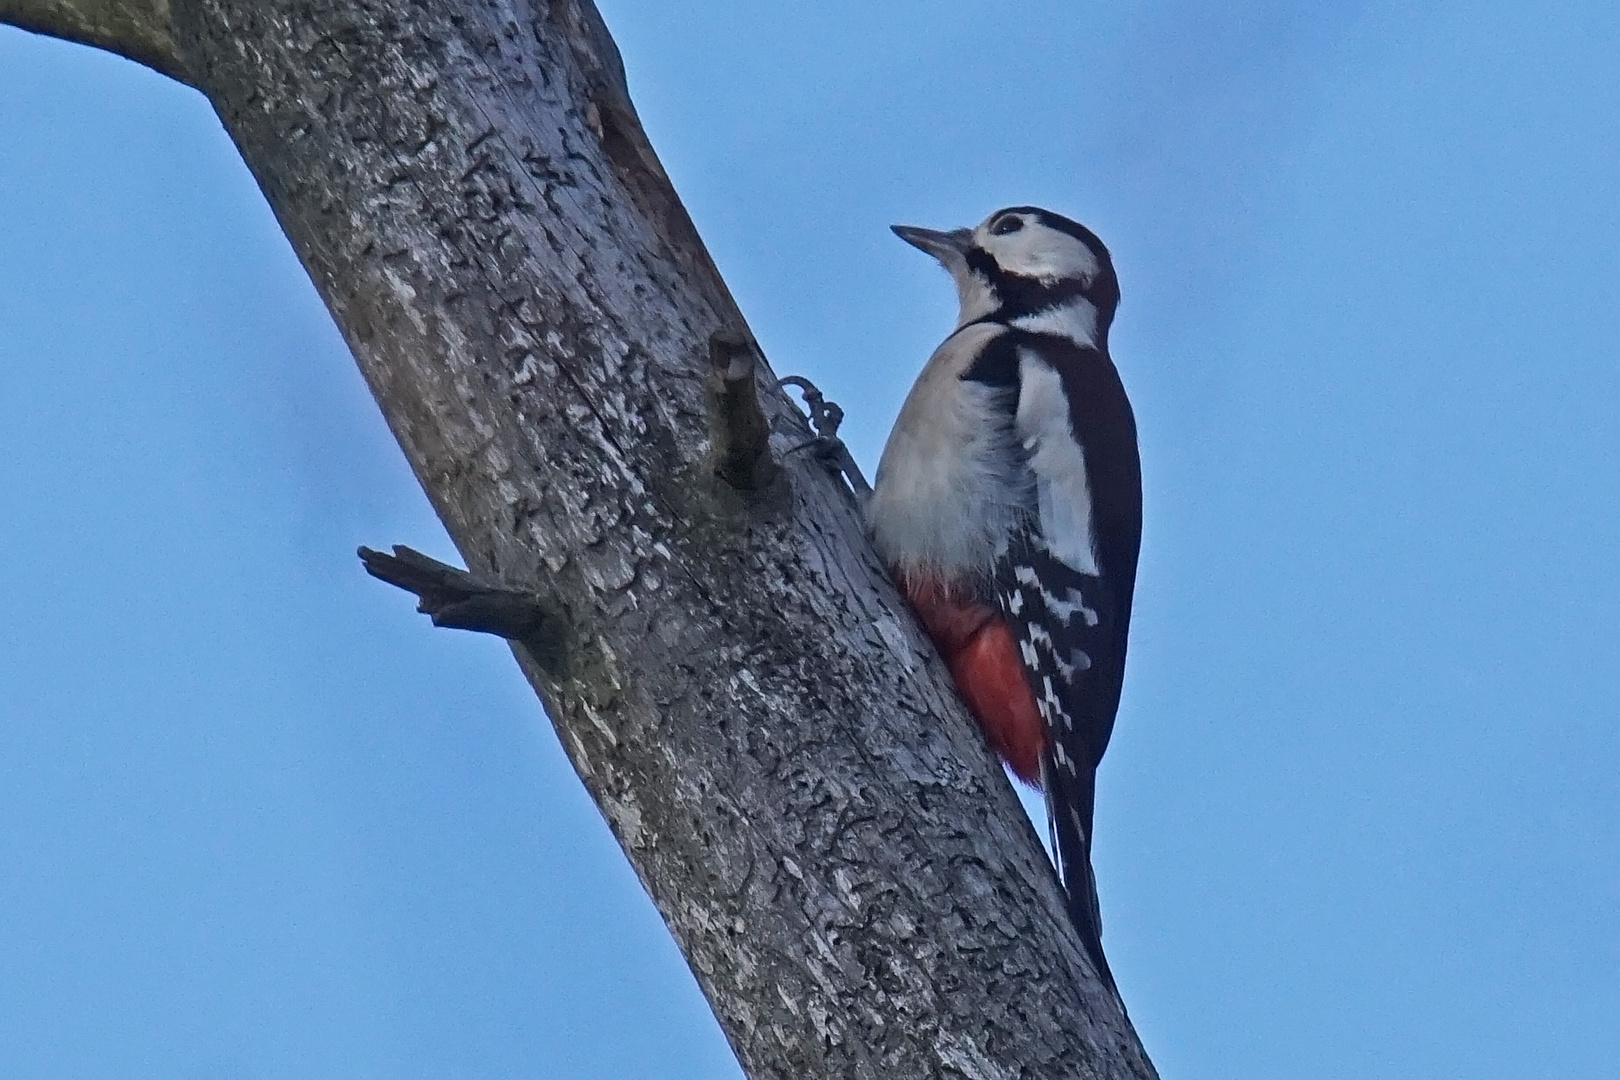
1069,803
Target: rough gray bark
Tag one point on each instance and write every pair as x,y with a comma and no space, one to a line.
777,749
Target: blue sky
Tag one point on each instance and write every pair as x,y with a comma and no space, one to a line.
1360,814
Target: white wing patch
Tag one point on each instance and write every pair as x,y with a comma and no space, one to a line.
1063,495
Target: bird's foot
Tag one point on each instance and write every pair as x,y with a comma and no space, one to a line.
825,419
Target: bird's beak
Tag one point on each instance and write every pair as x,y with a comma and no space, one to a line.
941,245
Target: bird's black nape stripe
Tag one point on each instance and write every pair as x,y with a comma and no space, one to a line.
1021,295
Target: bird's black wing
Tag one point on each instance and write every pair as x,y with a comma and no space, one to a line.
1065,582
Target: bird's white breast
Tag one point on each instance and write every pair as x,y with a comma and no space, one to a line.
949,486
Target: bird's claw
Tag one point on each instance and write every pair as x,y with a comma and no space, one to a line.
825,419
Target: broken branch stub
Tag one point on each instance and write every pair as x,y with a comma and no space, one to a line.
458,600
738,431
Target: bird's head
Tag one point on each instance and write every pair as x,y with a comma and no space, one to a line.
1021,262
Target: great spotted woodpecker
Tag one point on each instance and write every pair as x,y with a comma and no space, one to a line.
1008,505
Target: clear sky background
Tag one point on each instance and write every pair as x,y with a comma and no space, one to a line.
258,820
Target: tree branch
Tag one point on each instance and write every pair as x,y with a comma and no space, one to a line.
458,600
140,30
777,748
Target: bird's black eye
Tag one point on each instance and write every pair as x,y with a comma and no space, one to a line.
1009,224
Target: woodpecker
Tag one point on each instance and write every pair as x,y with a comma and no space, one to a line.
1008,506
